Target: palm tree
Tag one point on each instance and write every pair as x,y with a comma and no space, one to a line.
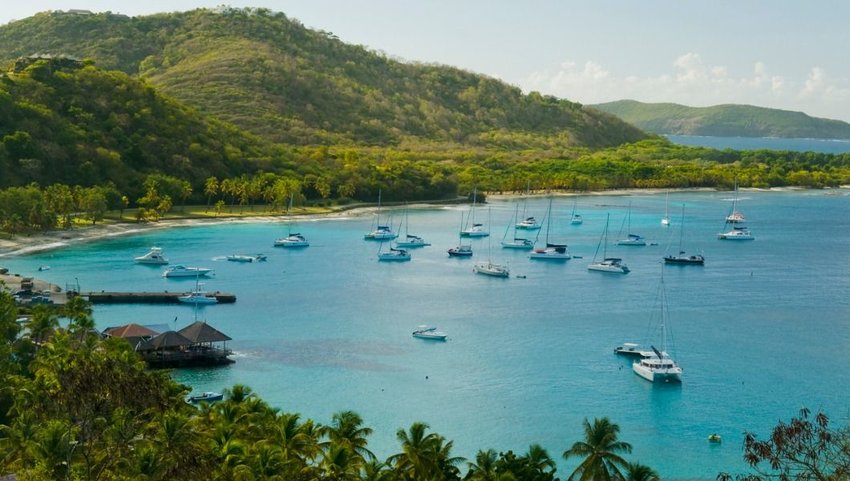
484,467
600,450
539,459
641,472
418,457
346,430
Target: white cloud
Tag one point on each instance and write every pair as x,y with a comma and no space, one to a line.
692,81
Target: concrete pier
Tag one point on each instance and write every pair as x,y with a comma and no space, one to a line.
107,297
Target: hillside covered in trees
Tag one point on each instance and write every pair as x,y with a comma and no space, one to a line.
725,120
270,75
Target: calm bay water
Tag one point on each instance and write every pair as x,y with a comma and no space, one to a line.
761,330
826,146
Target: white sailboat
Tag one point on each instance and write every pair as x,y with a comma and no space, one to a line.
393,254
410,240
381,232
292,239
607,264
474,229
552,252
631,239
520,243
528,222
731,229
657,365
735,216
489,268
575,218
665,221
198,296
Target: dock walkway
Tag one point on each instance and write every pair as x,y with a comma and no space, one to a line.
106,297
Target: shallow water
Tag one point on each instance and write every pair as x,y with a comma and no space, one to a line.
761,330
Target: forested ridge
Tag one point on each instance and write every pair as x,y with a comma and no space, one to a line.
269,75
725,120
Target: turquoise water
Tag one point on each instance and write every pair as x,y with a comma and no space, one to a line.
773,143
761,330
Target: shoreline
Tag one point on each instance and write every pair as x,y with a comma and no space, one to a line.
39,242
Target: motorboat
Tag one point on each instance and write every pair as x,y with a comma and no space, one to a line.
428,332
394,255
552,252
292,240
490,269
632,240
208,396
246,258
609,264
460,251
529,223
153,257
198,297
737,233
684,258
183,271
629,349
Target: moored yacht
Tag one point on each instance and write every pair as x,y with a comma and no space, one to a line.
657,366
183,271
529,223
394,255
428,332
490,269
609,264
154,257
292,240
737,233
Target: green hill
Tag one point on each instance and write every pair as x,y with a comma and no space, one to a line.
725,120
270,75
68,122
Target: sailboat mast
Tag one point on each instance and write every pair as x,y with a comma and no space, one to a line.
682,228
549,217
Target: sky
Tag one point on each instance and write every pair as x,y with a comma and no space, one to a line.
785,54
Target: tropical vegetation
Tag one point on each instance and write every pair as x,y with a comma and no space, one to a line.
725,120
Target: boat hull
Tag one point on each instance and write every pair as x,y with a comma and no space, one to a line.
491,270
548,255
658,375
631,242
187,273
695,260
462,251
519,245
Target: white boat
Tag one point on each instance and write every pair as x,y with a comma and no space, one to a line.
683,258
292,239
461,250
551,252
665,221
198,296
381,232
575,218
183,271
206,397
529,223
409,240
631,239
489,268
517,242
154,257
657,365
246,258
394,255
737,233
735,216
431,333
607,264
629,349
475,229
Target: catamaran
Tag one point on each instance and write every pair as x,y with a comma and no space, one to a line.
657,365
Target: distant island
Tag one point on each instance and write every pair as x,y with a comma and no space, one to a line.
727,120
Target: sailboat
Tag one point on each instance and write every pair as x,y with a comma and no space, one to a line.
198,296
293,239
575,219
409,239
517,242
607,264
461,250
682,258
735,216
555,252
528,222
381,231
631,239
394,254
475,229
665,221
657,365
489,268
